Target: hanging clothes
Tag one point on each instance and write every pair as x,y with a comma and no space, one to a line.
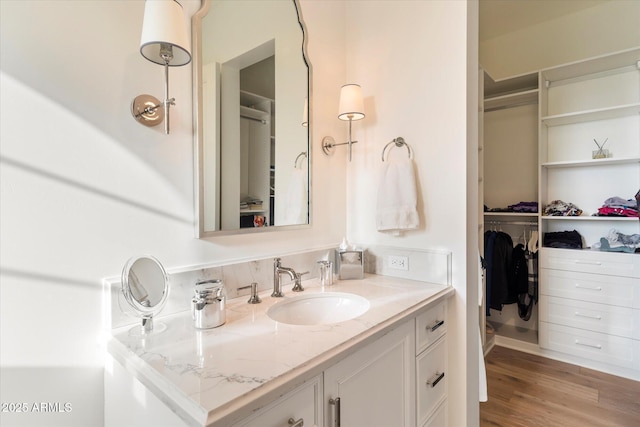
499,270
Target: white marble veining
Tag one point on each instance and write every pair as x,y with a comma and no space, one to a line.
214,376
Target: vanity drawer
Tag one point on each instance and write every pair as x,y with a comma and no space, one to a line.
608,319
613,290
431,379
430,326
588,261
618,351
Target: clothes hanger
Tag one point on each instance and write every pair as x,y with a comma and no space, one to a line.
532,246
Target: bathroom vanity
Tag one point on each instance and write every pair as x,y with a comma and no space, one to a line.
386,366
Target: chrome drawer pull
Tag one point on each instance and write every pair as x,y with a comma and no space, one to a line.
598,346
435,379
588,262
294,423
436,325
597,288
335,404
597,317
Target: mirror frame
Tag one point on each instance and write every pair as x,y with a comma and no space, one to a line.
196,51
144,312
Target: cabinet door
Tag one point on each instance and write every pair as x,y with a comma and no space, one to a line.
304,403
375,385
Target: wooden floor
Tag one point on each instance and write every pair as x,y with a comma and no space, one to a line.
531,391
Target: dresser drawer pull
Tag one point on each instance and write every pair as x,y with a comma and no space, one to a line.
435,325
435,379
588,262
589,288
294,423
590,316
598,346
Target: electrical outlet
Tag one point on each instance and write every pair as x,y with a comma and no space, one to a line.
398,262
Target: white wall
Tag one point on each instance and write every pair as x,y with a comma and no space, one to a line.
411,60
83,187
611,26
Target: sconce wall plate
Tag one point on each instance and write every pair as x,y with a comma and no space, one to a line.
147,110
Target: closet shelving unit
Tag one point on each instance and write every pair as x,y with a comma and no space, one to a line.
514,98
589,300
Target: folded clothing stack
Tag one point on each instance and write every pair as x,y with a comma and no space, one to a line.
563,239
560,208
617,206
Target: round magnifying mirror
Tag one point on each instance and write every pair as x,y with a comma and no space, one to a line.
145,286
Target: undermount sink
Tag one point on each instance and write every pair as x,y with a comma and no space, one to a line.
319,309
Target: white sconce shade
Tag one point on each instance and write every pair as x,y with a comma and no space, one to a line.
351,108
164,24
351,103
164,41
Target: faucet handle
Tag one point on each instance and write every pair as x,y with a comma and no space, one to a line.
276,261
297,287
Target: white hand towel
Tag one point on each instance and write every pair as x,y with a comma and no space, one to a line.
397,197
297,198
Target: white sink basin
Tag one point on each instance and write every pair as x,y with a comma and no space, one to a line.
319,309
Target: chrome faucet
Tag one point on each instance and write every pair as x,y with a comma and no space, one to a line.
278,269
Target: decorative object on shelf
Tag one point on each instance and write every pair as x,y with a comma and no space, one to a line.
399,142
600,153
164,41
351,108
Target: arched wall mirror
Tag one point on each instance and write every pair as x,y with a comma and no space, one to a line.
251,91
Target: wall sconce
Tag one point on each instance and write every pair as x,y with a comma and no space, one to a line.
164,41
351,108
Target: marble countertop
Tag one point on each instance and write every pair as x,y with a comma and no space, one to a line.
216,376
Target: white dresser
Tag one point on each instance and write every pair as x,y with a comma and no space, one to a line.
590,307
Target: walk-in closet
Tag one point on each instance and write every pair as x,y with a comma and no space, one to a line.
559,182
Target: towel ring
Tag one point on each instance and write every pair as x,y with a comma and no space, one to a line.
399,142
303,155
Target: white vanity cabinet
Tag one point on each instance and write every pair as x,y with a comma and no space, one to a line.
431,366
399,380
300,407
374,386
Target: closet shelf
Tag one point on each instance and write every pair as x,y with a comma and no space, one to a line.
514,214
591,162
591,115
588,218
511,100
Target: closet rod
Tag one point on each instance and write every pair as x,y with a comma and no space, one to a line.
263,121
530,223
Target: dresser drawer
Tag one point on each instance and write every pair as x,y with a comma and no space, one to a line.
613,290
430,326
618,351
607,319
431,379
588,261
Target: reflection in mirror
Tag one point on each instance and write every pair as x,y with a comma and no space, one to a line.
251,91
145,287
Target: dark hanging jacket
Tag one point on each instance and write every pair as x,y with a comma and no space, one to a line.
502,272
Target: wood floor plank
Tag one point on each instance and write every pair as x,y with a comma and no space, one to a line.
531,391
